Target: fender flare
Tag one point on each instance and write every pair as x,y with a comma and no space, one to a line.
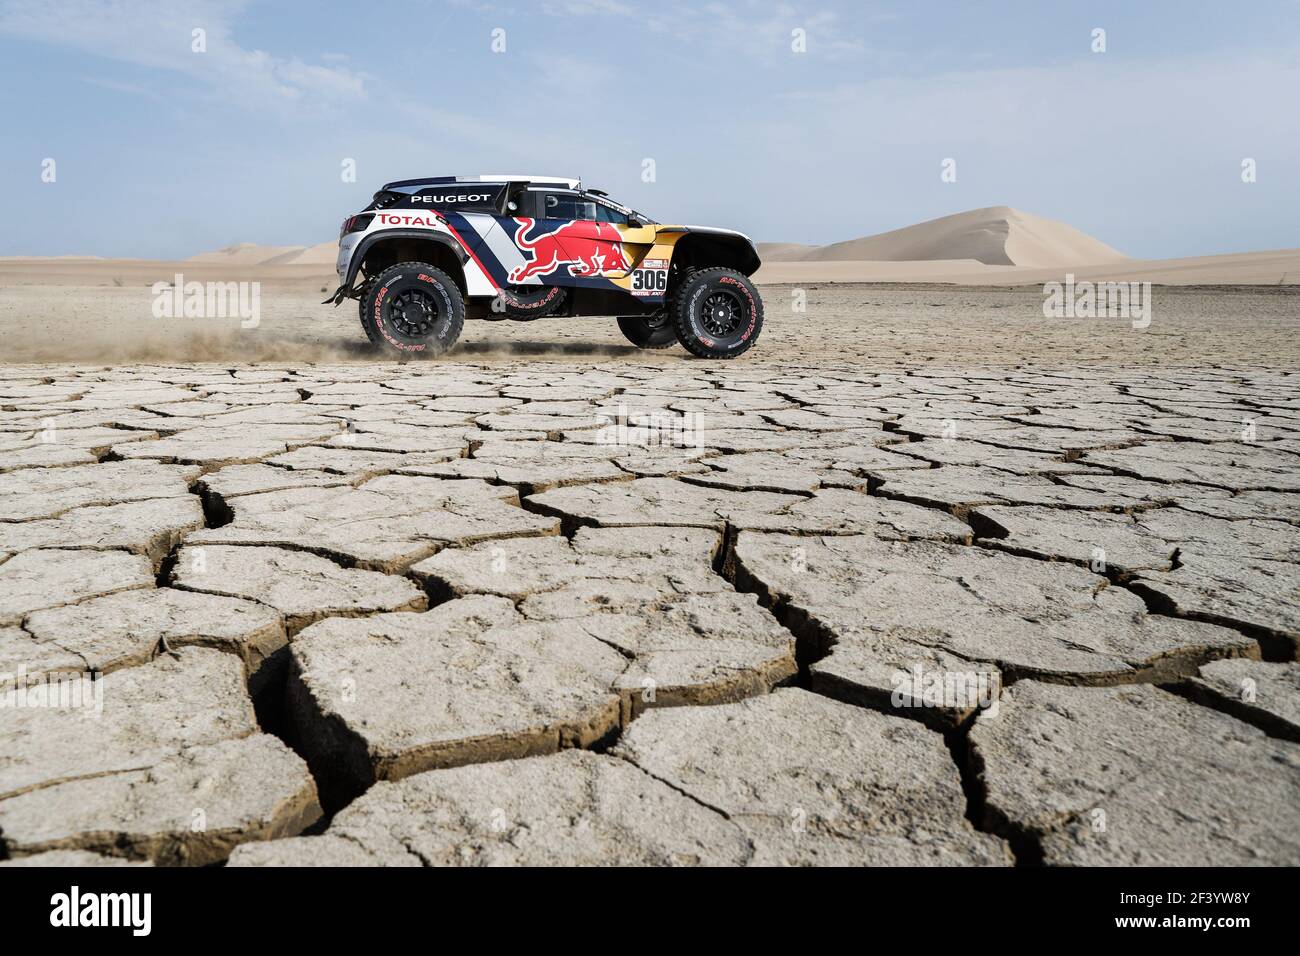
747,252
364,246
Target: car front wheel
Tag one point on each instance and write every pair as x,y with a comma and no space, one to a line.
717,314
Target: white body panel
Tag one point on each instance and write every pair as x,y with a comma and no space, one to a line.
476,280
516,178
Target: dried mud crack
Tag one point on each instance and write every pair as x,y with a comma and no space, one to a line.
462,614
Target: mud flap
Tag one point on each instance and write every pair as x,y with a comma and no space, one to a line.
338,295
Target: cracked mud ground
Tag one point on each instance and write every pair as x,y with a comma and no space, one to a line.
662,613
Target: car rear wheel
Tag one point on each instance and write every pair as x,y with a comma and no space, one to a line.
523,303
717,314
371,334
413,308
648,331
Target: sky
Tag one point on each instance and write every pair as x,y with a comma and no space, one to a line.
792,122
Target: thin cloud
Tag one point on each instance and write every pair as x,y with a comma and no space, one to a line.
133,89
754,28
160,35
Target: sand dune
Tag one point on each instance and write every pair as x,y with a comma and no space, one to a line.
996,236
246,254
1275,267
321,254
784,251
252,254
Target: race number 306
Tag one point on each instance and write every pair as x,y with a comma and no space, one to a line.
651,278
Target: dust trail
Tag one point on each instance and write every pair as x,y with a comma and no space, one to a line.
195,346
71,322
128,345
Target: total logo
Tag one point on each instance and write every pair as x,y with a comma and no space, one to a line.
406,219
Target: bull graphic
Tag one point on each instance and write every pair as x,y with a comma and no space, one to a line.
585,248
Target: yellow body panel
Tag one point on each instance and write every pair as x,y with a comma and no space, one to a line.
644,242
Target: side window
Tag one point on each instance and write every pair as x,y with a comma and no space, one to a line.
546,204
560,205
609,214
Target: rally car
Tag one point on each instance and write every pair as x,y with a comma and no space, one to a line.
426,254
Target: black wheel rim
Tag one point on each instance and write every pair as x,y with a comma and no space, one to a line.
656,321
723,313
414,313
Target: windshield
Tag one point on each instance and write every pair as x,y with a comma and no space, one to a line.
611,210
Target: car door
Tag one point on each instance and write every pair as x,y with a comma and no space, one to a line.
536,223
597,240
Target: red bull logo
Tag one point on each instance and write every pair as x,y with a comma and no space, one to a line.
585,248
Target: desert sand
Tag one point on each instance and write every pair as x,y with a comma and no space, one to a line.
878,325
979,295
1279,267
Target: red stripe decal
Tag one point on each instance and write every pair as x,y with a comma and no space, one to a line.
464,245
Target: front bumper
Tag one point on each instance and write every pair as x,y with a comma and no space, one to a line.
343,266
347,246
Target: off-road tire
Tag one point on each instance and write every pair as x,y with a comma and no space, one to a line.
413,309
533,302
366,286
717,313
648,331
